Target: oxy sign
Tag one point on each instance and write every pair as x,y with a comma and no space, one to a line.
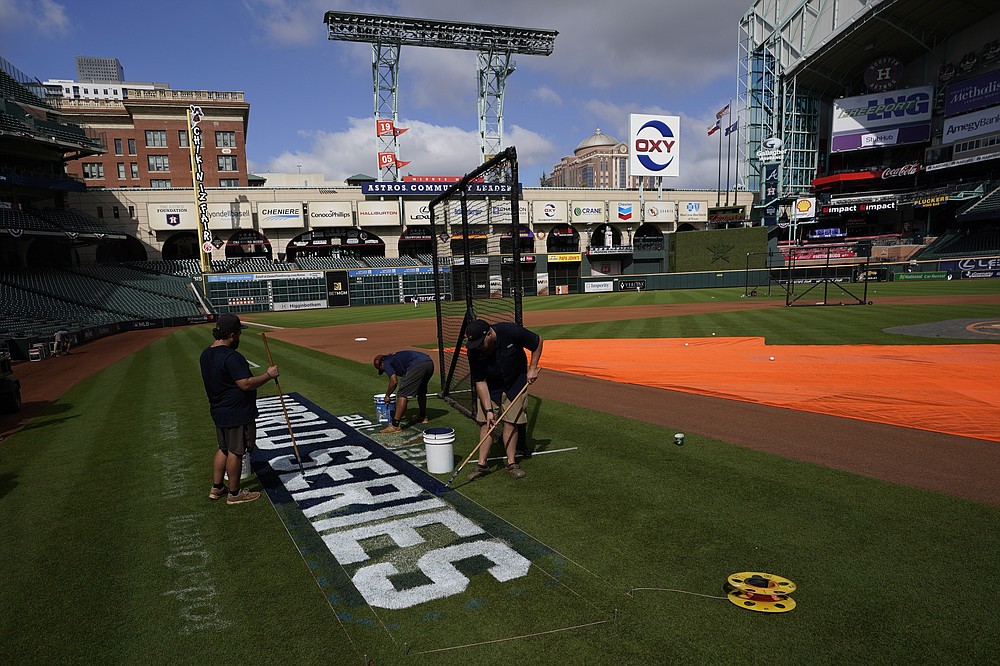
654,145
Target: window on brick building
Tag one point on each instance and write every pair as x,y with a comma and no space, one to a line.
118,146
131,146
156,138
158,162
225,139
135,170
182,138
227,163
229,182
121,171
160,183
93,170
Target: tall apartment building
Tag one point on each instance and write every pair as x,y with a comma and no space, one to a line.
144,126
91,69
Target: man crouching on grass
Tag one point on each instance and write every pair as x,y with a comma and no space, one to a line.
232,400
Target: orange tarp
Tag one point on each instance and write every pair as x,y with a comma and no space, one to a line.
951,389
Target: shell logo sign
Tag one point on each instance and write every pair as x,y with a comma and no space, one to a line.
804,208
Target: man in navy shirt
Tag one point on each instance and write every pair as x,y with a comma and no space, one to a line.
415,370
232,400
499,370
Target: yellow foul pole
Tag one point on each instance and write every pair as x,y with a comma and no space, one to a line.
195,142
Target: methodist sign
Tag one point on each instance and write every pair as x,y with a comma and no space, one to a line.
972,94
889,118
654,145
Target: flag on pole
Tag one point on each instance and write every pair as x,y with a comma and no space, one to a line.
723,111
388,128
732,128
714,128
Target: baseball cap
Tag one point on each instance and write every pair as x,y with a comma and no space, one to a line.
377,362
476,334
229,323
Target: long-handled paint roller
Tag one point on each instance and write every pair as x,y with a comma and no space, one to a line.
281,396
489,433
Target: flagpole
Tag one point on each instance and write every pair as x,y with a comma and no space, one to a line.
729,149
718,187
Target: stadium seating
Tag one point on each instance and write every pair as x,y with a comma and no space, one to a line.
327,263
11,218
71,220
190,268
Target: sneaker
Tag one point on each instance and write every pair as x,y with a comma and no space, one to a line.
391,428
479,472
217,493
515,471
242,496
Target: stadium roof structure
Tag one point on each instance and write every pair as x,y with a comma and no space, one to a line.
904,28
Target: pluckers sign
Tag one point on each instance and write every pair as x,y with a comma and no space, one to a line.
882,119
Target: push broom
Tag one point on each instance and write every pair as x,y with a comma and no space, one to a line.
489,433
281,396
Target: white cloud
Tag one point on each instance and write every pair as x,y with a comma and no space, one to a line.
547,96
45,16
430,149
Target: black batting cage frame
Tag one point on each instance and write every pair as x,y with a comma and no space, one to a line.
477,234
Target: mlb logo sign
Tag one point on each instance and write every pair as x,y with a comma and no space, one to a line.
625,211
173,219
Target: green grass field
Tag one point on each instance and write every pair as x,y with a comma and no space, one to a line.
113,553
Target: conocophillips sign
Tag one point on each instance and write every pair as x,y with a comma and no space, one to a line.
654,145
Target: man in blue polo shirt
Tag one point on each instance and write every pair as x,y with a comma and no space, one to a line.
499,370
232,400
415,369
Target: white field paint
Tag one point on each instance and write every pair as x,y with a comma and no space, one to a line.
350,498
188,558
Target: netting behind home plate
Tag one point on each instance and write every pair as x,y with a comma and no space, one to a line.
477,262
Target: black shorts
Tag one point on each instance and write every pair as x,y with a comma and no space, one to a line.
237,440
414,382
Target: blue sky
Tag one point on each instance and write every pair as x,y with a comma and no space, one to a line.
312,101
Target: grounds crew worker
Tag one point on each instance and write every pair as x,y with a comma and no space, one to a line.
500,369
415,369
232,400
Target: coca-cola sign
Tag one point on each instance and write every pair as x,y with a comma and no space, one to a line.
905,170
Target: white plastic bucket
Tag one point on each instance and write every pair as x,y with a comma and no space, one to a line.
383,412
439,445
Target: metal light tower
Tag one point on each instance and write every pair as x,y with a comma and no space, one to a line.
495,43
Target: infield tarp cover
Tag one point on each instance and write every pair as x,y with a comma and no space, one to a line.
942,388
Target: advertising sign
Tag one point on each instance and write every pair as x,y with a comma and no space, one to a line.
378,214
625,211
424,188
229,215
654,145
336,288
587,212
972,94
330,214
545,212
969,125
500,212
565,258
804,208
281,215
656,212
598,286
692,211
882,119
168,217
416,213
